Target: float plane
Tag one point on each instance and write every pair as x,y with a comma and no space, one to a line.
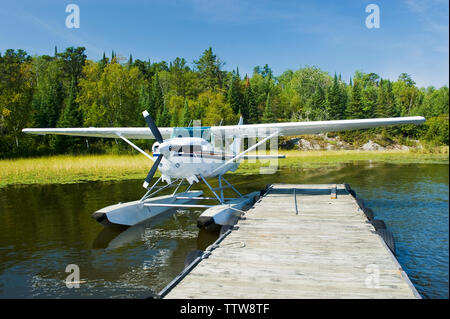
197,153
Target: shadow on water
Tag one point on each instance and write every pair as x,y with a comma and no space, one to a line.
46,227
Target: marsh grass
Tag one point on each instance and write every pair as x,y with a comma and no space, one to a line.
65,169
72,169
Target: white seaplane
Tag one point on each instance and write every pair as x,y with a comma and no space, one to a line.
197,153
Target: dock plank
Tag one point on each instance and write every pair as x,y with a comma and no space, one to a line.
327,250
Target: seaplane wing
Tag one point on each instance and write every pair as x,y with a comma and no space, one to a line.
313,127
108,132
247,130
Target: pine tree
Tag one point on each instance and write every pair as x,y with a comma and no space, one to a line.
48,96
235,96
380,107
336,101
144,99
385,102
174,118
103,62
70,117
355,109
163,119
319,102
250,104
209,69
185,115
369,99
156,97
268,116
391,108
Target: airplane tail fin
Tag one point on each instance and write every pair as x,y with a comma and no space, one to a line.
235,146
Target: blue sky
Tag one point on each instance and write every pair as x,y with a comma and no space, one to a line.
332,35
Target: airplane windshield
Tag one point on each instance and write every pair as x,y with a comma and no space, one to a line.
196,131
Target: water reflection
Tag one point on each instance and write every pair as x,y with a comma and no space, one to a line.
117,236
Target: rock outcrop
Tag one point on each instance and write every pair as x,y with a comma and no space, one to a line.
372,146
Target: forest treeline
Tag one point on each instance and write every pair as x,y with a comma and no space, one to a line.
69,90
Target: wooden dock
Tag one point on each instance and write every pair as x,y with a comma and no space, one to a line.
299,241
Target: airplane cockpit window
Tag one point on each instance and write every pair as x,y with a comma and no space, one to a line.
196,131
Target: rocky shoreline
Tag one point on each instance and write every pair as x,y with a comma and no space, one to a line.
324,142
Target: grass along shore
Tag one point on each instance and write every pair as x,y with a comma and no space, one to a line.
65,169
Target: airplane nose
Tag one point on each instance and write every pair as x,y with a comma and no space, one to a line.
164,149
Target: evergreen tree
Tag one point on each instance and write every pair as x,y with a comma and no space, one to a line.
355,109
185,114
250,104
209,69
163,119
174,118
235,97
268,116
336,101
70,117
385,106
156,97
180,77
368,100
103,62
72,60
48,93
380,107
391,107
144,99
319,103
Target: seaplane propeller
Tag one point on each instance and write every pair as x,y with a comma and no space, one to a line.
157,134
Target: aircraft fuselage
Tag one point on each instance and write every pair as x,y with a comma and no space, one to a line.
188,157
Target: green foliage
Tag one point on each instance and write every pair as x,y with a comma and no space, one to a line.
235,96
156,97
336,101
48,92
250,104
355,108
186,117
268,116
163,117
385,104
217,109
437,130
209,70
68,90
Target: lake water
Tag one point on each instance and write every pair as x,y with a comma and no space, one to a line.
45,228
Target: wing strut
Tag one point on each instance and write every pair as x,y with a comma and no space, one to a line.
244,152
135,146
